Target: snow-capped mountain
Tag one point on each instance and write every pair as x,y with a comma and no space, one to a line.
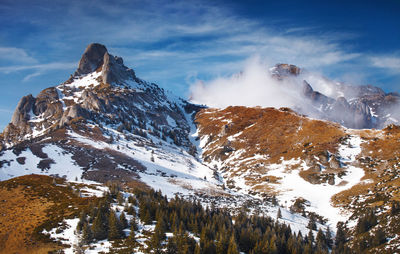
106,124
352,106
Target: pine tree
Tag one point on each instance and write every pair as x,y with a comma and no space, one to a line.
131,240
279,214
82,221
232,248
123,221
328,236
158,236
99,226
115,229
310,237
87,235
340,236
171,246
379,237
197,249
223,241
273,249
120,198
312,222
321,240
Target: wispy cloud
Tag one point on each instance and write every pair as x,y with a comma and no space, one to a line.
32,75
391,63
15,55
42,67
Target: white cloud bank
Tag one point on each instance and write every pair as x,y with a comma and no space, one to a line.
252,87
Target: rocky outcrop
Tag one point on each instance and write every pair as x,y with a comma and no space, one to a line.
97,58
92,102
334,163
71,113
362,115
355,115
91,59
114,70
45,97
21,113
282,70
307,89
315,97
47,104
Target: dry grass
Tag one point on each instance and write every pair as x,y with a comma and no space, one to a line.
30,204
267,131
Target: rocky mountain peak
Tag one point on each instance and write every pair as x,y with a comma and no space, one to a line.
91,59
97,58
285,70
102,91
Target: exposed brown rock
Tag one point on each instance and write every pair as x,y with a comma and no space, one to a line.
334,163
91,59
114,71
287,69
71,113
91,101
323,157
24,107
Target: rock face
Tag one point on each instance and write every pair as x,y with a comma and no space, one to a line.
114,70
71,113
334,163
315,97
286,70
356,115
91,59
24,107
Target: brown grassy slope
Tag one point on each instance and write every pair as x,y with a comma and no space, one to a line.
267,131
380,159
240,133
30,204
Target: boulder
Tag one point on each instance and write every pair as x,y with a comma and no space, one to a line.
331,180
44,98
323,157
92,102
71,113
334,163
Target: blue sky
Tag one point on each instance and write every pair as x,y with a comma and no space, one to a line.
175,43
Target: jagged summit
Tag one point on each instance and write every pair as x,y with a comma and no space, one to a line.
102,90
353,106
112,69
282,69
92,59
